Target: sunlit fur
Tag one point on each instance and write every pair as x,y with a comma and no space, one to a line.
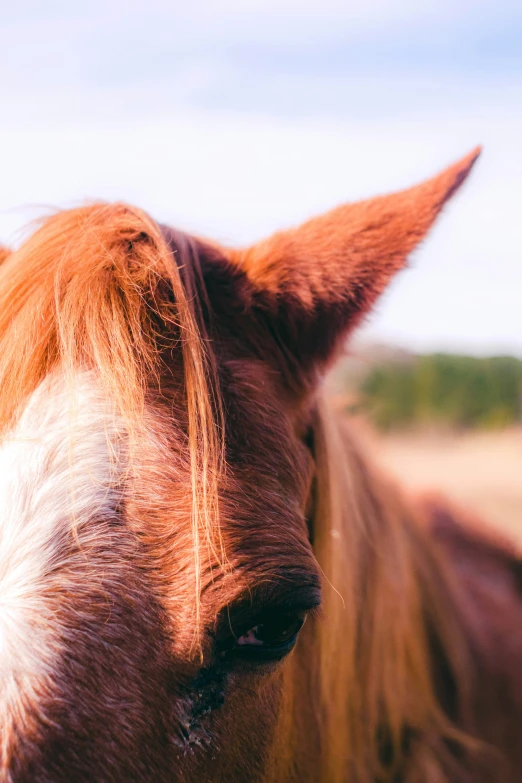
227,475
88,290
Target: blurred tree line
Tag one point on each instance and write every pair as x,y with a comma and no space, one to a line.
443,390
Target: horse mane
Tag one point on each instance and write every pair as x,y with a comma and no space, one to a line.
100,288
389,601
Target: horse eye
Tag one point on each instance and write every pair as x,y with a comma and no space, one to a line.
273,636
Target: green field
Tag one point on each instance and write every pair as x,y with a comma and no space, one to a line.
447,391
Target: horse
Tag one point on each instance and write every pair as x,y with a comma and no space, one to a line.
178,497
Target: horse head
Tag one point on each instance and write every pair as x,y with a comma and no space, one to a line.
160,540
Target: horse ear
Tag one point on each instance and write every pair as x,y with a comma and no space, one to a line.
316,282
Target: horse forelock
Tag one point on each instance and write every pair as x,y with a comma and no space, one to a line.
94,317
98,288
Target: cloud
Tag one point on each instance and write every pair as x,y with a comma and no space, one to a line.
114,43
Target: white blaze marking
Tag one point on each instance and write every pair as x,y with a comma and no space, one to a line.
58,470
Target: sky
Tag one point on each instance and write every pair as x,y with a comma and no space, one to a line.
233,119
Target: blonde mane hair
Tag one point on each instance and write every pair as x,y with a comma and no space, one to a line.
366,664
98,288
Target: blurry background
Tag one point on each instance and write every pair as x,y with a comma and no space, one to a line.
236,118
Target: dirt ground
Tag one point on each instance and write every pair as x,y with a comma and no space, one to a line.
481,470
